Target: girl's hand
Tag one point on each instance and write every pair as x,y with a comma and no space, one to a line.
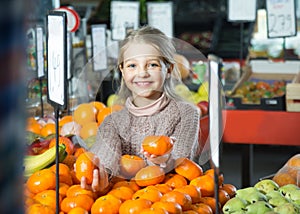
100,178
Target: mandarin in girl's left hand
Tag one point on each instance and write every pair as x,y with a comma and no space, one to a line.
157,144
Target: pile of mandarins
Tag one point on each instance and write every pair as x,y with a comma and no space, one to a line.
140,188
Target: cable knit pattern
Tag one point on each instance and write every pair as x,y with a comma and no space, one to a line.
122,133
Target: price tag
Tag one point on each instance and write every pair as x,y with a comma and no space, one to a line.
241,10
40,51
69,55
98,33
124,17
160,15
281,18
57,66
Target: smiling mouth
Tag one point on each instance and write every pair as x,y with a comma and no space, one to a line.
143,83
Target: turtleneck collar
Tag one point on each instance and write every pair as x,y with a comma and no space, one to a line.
147,110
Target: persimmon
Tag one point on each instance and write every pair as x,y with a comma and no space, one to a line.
63,187
183,199
157,144
211,172
48,129
202,208
84,113
64,173
123,193
134,206
189,212
149,175
223,197
229,188
153,210
85,166
188,168
78,210
38,208
131,184
192,191
130,165
83,201
206,184
107,204
170,207
41,180
48,198
103,114
63,140
149,192
176,181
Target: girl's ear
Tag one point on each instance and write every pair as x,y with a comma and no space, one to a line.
170,68
121,68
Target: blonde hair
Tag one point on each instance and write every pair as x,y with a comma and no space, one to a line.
164,45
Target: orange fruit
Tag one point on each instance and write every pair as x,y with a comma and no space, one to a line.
202,208
85,166
98,105
41,180
153,210
63,140
69,161
123,193
48,129
192,191
34,127
223,197
107,204
63,187
88,129
103,114
150,193
183,199
210,201
78,151
84,113
134,206
47,197
188,168
170,207
38,208
78,210
76,189
131,184
130,165
64,173
229,188
157,145
163,188
83,201
65,119
211,172
175,180
206,184
149,175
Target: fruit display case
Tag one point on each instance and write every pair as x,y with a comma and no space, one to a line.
293,95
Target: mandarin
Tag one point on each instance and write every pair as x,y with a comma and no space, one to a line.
85,166
84,113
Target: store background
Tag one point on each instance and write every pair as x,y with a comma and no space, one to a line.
210,32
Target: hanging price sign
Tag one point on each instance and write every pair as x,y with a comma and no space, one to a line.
241,10
98,33
40,51
281,18
57,58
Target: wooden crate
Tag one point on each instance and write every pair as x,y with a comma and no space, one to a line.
293,95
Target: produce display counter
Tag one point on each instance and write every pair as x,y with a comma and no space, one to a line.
251,127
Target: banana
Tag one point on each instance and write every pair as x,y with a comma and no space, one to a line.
33,163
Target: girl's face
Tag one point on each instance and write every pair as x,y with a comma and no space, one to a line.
144,73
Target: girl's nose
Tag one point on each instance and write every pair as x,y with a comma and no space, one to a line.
143,72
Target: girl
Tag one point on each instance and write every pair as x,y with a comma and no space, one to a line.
149,75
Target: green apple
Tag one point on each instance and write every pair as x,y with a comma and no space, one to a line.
111,100
277,201
242,193
260,207
234,205
266,185
287,208
273,194
287,188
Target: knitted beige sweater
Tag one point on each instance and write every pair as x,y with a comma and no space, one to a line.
122,133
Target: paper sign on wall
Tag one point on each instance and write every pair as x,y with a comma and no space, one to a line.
281,18
241,10
124,17
57,66
160,15
98,34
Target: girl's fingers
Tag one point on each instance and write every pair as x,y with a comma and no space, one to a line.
95,184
